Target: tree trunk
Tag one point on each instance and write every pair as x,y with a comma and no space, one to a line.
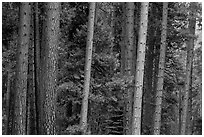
137,106
8,85
123,42
37,67
129,67
189,115
112,25
50,66
89,45
190,47
179,110
31,106
148,108
160,82
22,70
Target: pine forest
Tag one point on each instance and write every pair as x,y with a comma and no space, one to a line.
101,68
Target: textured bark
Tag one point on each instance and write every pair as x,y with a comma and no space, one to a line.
22,70
129,67
37,67
112,25
176,110
137,105
31,106
50,67
89,45
160,82
8,86
189,115
123,42
190,47
148,96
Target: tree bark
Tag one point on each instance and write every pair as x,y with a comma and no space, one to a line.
137,105
37,67
31,108
49,69
190,47
148,108
112,25
123,42
89,45
8,85
22,70
160,82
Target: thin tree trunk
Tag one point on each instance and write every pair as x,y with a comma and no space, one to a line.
22,70
179,114
50,67
31,108
189,115
37,67
137,106
148,96
123,42
190,47
129,68
8,85
89,45
112,28
160,82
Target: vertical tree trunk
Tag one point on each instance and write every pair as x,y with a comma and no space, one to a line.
180,106
50,66
189,115
31,106
89,45
160,82
112,28
137,105
22,70
123,42
148,96
37,67
129,68
8,85
190,47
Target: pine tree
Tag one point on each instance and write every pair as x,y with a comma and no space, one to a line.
137,103
8,98
37,66
89,48
190,47
160,80
123,41
22,70
49,69
129,65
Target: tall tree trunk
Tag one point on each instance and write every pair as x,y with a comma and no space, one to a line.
190,47
22,70
148,96
8,92
129,67
160,82
189,115
31,106
89,45
137,105
37,67
123,42
50,66
112,25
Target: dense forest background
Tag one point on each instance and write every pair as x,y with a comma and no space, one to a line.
102,68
